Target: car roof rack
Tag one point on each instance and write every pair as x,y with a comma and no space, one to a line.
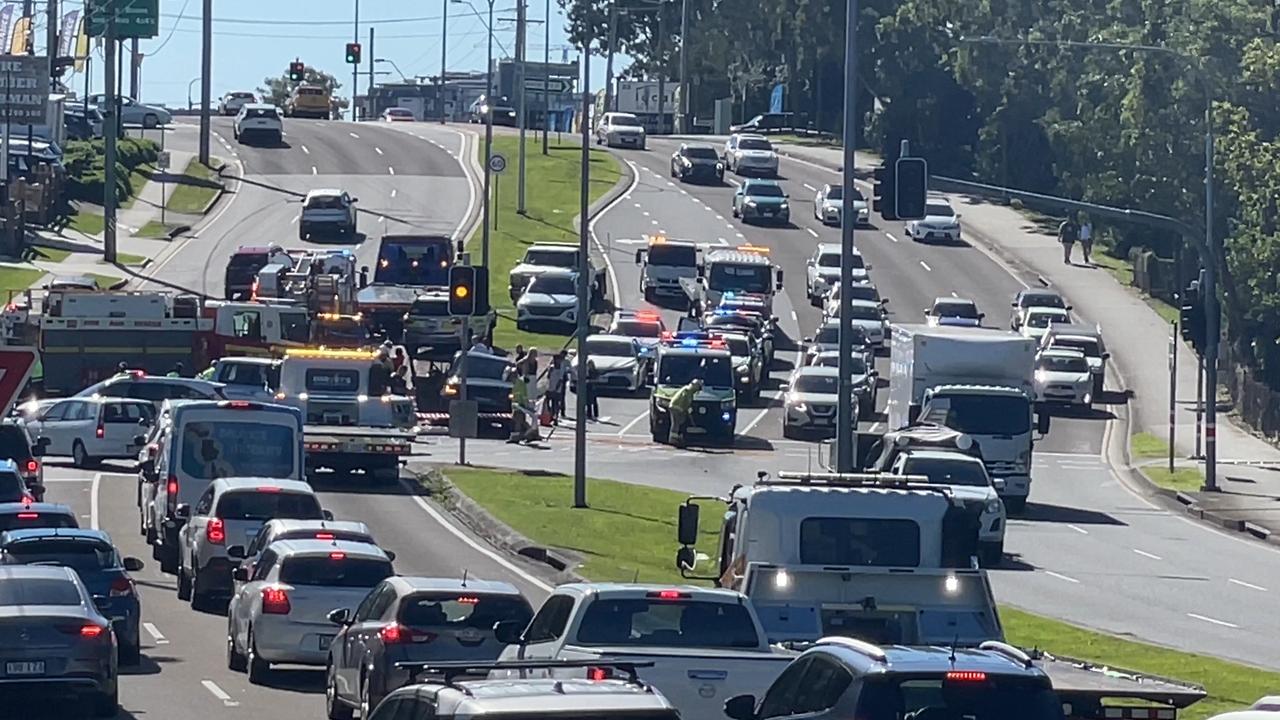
1007,650
449,670
871,650
789,477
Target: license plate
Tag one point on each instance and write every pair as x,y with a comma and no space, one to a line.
325,641
35,667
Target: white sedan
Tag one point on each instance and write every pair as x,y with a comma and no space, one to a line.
621,363
1062,376
940,222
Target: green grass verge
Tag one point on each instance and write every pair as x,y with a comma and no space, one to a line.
88,223
127,259
48,254
189,198
104,281
154,229
1122,271
1146,446
14,279
628,533
552,201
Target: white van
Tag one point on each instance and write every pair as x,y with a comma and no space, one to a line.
207,440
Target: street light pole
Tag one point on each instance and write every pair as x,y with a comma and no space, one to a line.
355,67
846,418
609,100
684,66
444,40
190,103
206,75
584,292
488,144
546,76
522,10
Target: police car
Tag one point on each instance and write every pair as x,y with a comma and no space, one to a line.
681,358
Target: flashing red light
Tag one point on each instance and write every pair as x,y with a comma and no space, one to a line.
668,595
468,600
138,373
268,489
238,404
216,531
91,631
966,676
171,488
599,673
120,587
717,344
393,634
325,536
666,335
28,516
337,556
647,315
33,466
275,601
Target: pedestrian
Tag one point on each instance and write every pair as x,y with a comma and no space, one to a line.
399,359
531,363
122,369
680,407
1068,233
400,381
208,373
593,391
519,355
1086,238
177,370
556,378
565,369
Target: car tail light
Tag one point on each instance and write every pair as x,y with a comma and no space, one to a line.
275,601
268,489
668,595
92,631
337,556
120,587
171,491
239,404
28,515
599,673
100,433
216,531
325,536
33,466
966,676
393,634
468,600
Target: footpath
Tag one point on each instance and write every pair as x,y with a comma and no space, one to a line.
1138,339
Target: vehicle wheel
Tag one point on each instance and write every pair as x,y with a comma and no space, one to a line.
150,121
79,456
259,669
656,431
184,584
302,234
788,432
151,540
107,705
198,598
130,653
333,707
235,659
367,703
1015,505
991,554
650,295
735,211
522,326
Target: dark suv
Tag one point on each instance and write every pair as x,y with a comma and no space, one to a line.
846,678
16,445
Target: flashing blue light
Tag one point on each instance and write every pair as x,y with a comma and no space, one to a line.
724,416
689,342
722,311
728,295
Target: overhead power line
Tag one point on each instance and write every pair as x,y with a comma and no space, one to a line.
334,23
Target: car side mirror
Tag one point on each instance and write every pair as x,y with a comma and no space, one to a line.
182,512
807,339
1042,423
340,616
867,267
687,524
327,514
132,564
37,450
236,552
639,256
240,574
1067,308
873,373
1106,355
686,558
509,632
981,315
391,555
356,200
139,439
740,707
997,483
1013,304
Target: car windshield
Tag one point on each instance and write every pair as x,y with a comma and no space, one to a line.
673,255
1066,364
242,95
637,328
218,449
939,209
983,414
335,570
830,335
713,370
1043,320
829,260
609,349
79,555
738,347
251,374
701,153
866,312
624,119
675,623
754,144
463,611
399,112
1042,300
483,366
821,384
430,307
859,541
860,292
262,505
551,258
764,190
975,697
554,285
965,310
418,262
39,591
947,471
1084,345
857,363
740,278
311,91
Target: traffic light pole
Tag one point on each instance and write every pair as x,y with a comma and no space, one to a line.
1173,390
846,418
206,79
1212,314
522,11
584,295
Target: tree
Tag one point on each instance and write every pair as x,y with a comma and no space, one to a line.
276,90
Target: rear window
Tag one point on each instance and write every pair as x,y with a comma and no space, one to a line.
39,591
14,444
79,555
311,91
343,535
859,541
250,374
451,611
258,505
34,519
121,413
262,113
12,487
222,449
637,328
430,307
334,572
978,696
248,260
667,623
332,380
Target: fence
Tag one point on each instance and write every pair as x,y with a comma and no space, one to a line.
1257,404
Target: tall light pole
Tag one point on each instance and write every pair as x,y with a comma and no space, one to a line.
392,63
488,135
846,418
355,67
584,293
522,10
684,66
609,99
546,77
1209,251
444,57
190,103
206,74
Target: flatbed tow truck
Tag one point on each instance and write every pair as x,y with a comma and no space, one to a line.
888,561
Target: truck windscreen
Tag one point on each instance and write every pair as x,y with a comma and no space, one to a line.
741,278
220,449
714,371
859,541
667,623
985,415
973,695
416,263
673,255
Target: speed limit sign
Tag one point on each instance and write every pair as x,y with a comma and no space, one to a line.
497,163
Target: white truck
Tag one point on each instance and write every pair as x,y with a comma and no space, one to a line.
352,419
663,263
722,273
977,381
706,645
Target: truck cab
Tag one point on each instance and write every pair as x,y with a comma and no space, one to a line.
541,257
662,264
407,265
680,359
745,269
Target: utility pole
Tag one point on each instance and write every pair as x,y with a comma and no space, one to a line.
206,73
355,69
522,11
546,76
488,144
135,69
444,40
110,122
846,418
1173,390
1211,311
684,66
610,101
371,56
51,36
662,72
584,295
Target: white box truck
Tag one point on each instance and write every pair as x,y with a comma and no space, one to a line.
977,381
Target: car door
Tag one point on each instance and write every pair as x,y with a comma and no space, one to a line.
543,636
241,609
49,424
780,699
199,519
361,638
79,422
121,422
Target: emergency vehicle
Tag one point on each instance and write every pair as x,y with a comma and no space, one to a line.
407,265
322,281
662,264
681,358
744,269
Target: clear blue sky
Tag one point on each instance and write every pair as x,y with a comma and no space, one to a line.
253,39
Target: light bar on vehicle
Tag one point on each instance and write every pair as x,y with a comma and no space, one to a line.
324,354
757,249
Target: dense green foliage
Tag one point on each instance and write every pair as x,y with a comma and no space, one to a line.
1115,126
85,161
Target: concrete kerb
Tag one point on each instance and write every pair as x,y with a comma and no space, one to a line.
492,530
625,178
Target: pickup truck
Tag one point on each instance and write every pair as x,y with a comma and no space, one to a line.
706,645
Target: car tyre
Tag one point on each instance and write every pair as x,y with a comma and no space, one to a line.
735,211
184,584
1015,504
650,295
259,669
199,599
107,704
79,456
788,432
130,653
991,554
366,703
150,120
302,234
333,707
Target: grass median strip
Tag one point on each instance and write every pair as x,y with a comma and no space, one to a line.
194,189
154,229
86,222
552,197
1146,447
628,533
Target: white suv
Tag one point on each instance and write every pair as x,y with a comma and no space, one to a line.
258,120
620,130
233,511
966,477
327,209
747,154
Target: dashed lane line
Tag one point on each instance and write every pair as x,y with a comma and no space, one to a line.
1078,529
1214,621
891,237
811,231
391,170
378,150
358,137
305,151
1060,576
925,265
155,633
1249,585
1146,554
219,693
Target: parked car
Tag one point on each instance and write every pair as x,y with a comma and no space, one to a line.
133,112
92,429
398,114
82,123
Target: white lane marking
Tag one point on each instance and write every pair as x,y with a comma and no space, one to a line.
632,424
218,692
1146,554
313,169
718,215
925,265
655,222
759,416
671,183
393,192
707,207
358,137
93,500
891,237
591,224
637,204
1060,576
738,234
155,633
644,213
1242,583
305,151
811,231
382,218
794,317
722,241
1078,529
494,556
67,480
1215,621
294,220
378,150
955,294
735,182
807,186
391,170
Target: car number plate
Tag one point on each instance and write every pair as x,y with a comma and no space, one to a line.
35,667
325,641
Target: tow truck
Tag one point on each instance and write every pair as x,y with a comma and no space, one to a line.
681,357
889,561
352,421
407,266
323,281
744,269
663,262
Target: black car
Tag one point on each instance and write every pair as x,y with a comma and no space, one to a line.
82,123
503,112
766,123
697,161
16,445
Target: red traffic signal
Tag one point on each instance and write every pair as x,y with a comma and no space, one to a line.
353,53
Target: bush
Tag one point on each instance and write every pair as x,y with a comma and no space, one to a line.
86,168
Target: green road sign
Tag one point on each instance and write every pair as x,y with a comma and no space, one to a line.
134,18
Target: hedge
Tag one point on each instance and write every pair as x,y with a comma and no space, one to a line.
86,166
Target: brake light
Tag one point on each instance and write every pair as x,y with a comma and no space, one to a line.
216,531
268,489
467,600
101,432
33,466
91,631
171,490
599,673
238,404
669,595
120,587
275,601
393,634
337,556
28,515
325,536
966,676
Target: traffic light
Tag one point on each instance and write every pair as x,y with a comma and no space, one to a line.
297,71
882,197
353,53
911,185
462,290
1191,317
